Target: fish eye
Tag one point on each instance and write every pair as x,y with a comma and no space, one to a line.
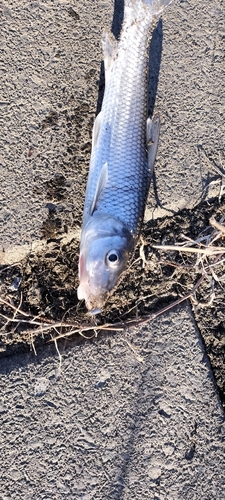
112,258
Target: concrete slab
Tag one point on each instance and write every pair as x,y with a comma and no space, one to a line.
140,418
50,83
131,415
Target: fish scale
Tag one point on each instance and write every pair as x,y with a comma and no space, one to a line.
121,159
124,110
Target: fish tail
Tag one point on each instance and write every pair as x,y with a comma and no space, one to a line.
155,7
135,11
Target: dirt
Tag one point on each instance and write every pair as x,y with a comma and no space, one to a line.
43,286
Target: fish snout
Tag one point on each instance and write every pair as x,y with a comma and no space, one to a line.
94,298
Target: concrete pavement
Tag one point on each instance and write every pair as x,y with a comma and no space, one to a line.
130,415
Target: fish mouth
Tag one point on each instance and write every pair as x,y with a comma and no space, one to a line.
93,301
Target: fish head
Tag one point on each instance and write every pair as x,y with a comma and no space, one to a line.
104,251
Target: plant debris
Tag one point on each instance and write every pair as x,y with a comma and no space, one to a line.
180,258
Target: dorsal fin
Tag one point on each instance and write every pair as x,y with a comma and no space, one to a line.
110,49
102,181
152,138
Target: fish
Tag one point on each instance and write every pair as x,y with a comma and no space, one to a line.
124,147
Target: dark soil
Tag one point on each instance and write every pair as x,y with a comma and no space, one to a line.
44,287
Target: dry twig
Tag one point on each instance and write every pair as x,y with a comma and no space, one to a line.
62,329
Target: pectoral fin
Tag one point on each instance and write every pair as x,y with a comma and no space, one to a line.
102,181
96,129
152,137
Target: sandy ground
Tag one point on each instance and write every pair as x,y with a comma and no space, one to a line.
52,84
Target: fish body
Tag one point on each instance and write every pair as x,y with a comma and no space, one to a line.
124,146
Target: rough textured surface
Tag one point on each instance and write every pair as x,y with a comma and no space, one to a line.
191,101
109,425
50,81
131,415
50,87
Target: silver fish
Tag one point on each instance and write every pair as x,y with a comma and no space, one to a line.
124,146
